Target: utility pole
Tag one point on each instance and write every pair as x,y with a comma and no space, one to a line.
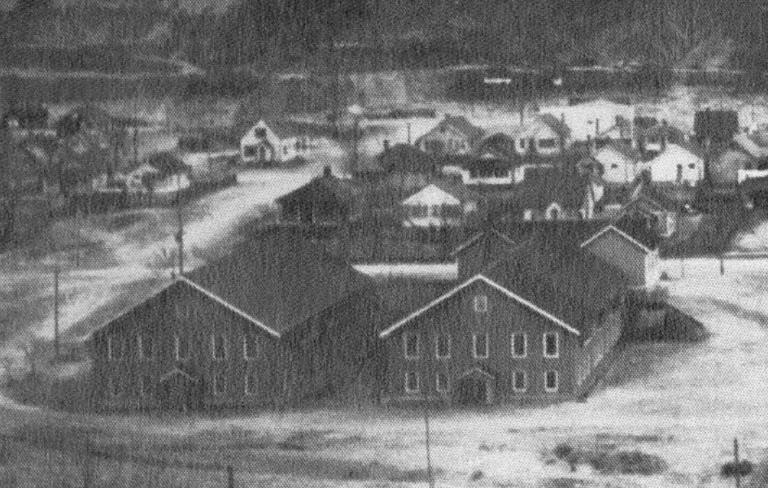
737,468
56,345
427,381
180,222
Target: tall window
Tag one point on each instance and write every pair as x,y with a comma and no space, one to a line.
250,346
146,346
219,384
181,348
411,345
443,346
550,381
411,382
114,387
218,346
519,381
519,345
250,384
145,386
114,348
480,345
441,382
551,345
480,303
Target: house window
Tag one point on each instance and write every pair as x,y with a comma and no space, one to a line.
146,347
443,346
692,166
411,345
528,214
679,172
480,346
250,347
519,381
249,151
250,384
260,133
441,382
181,348
480,303
114,387
554,213
285,149
411,382
550,381
547,143
145,386
114,349
218,346
219,384
551,345
614,166
519,345
522,143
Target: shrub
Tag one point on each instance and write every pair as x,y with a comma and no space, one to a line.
730,469
476,475
563,451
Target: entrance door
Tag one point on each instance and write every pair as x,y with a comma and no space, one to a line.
178,392
473,391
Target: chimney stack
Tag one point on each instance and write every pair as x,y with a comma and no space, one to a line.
327,172
386,145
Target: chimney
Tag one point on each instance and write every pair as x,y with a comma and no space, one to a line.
386,145
327,172
590,145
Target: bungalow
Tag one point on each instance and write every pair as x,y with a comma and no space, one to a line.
439,204
646,202
258,328
534,327
273,143
618,162
678,164
542,134
631,246
559,195
326,199
451,136
488,167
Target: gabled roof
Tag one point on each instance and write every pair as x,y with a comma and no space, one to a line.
286,128
455,189
621,148
327,187
566,285
460,124
279,279
619,232
404,158
557,125
488,234
567,188
755,144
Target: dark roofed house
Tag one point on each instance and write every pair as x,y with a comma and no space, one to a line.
715,126
559,195
326,199
404,158
534,326
277,322
274,142
451,136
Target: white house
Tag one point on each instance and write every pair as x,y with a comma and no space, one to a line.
451,136
591,120
438,204
541,134
619,163
273,143
679,164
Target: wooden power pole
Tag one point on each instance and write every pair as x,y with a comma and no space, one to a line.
737,467
56,345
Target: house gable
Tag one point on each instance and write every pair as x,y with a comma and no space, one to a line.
613,230
486,282
431,195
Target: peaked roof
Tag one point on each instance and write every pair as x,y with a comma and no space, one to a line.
557,125
484,236
461,124
622,148
344,191
567,188
404,158
279,279
285,128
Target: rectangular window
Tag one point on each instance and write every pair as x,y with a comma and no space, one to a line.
114,387
443,346
219,384
250,384
481,303
480,345
547,143
411,382
441,382
519,345
145,386
550,381
181,348
114,349
146,346
218,346
519,381
411,344
251,348
551,346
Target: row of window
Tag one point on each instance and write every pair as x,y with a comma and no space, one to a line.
145,347
518,345
519,382
145,386
423,211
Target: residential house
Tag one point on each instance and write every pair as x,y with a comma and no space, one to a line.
541,134
28,171
404,158
678,164
277,322
651,141
486,246
439,204
619,163
630,245
593,119
559,195
649,203
273,143
488,168
534,327
326,199
453,135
